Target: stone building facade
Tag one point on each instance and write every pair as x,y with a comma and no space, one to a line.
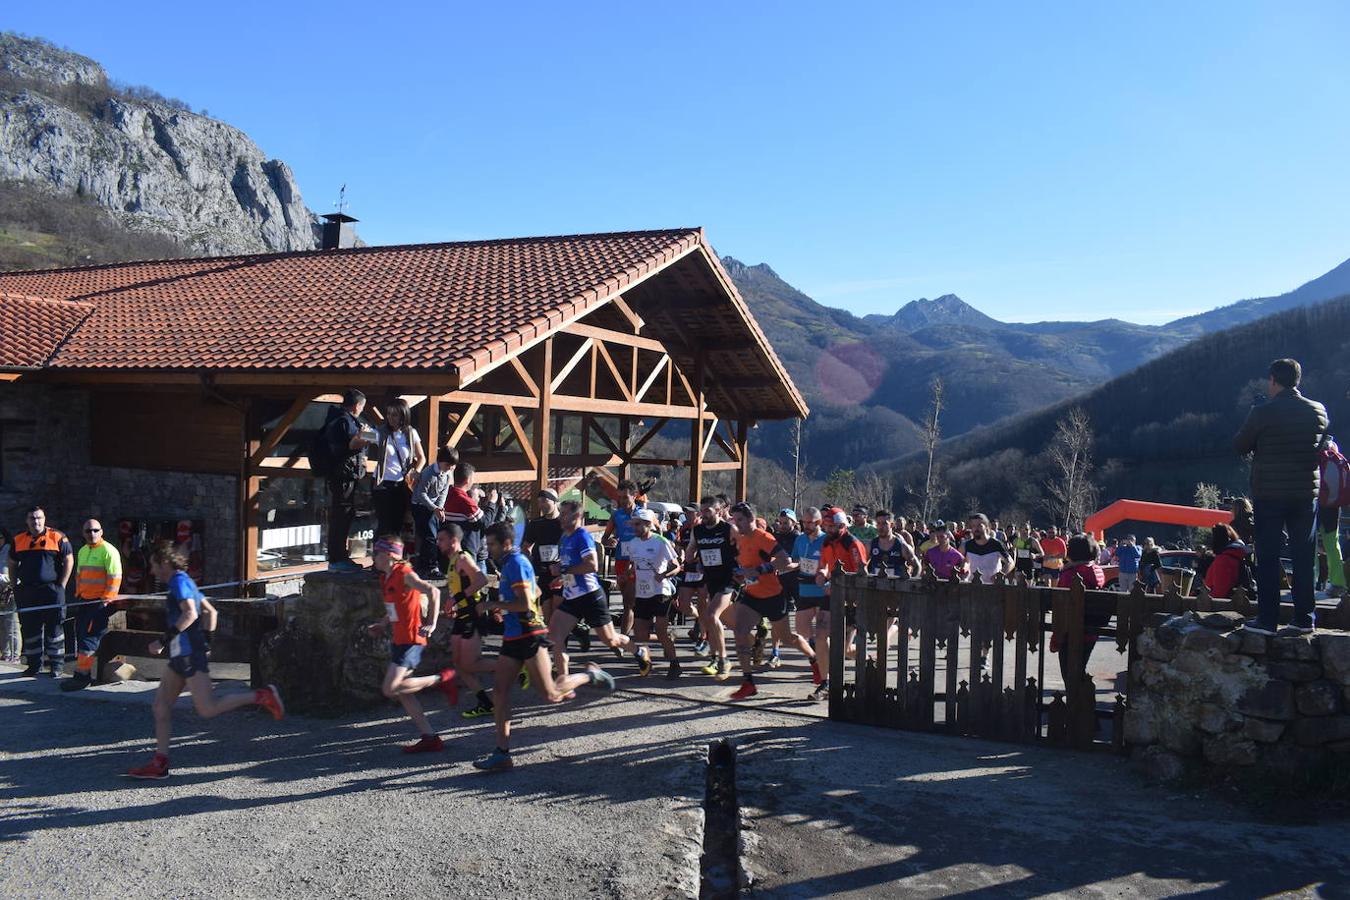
45,446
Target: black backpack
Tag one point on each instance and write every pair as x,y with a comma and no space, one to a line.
323,462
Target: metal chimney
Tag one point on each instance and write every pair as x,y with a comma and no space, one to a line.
338,232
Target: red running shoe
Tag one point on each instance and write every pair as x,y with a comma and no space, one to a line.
449,687
269,698
745,691
157,768
427,743
816,678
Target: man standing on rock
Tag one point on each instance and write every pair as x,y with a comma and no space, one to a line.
343,442
1283,434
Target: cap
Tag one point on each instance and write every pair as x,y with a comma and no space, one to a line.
859,508
939,524
835,515
789,512
647,515
549,493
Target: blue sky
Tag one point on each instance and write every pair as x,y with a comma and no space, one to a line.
1048,160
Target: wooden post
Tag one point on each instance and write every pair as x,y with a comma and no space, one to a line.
249,484
623,446
433,431
543,422
696,434
743,449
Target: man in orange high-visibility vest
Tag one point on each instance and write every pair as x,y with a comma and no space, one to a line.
98,576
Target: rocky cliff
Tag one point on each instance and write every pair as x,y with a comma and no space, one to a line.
155,166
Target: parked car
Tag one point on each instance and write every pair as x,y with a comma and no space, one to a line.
1171,559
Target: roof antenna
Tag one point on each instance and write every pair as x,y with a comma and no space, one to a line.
342,198
337,226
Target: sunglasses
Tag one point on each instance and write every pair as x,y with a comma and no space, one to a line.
92,530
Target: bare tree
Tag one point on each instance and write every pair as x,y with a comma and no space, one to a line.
1070,491
796,462
874,490
932,434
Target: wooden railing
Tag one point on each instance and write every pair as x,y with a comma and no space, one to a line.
920,642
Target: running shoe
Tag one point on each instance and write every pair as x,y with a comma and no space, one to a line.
1255,627
701,648
570,695
499,761
673,672
600,678
1292,630
32,670
745,691
816,677
478,712
822,692
269,698
427,743
775,660
157,768
78,682
710,668
723,669
644,661
449,686
583,639
523,679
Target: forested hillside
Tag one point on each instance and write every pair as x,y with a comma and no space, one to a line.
1159,429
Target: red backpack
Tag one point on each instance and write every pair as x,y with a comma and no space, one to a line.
1334,469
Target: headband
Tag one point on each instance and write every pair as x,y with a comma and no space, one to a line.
393,548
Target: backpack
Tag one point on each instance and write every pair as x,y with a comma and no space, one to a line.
322,460
1334,469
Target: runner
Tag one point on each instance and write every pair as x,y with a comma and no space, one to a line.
1054,549
540,543
464,585
986,555
889,554
842,553
403,589
618,534
813,603
524,644
1025,551
945,559
691,598
711,548
583,597
98,577
654,560
785,533
186,611
759,562
861,528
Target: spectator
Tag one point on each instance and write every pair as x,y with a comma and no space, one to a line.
462,509
945,559
1283,435
1150,565
1226,570
40,564
428,502
96,585
9,616
1242,519
1128,555
1329,523
345,443
398,461
1081,562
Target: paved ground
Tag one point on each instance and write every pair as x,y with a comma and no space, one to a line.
610,808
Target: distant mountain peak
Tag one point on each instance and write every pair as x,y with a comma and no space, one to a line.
736,268
948,309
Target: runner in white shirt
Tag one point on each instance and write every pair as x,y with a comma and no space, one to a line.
655,560
987,555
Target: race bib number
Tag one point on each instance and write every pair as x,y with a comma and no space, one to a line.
548,553
648,583
711,557
1024,554
391,612
626,549
691,577
810,566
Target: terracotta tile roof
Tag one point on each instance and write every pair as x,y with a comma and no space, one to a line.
32,328
429,306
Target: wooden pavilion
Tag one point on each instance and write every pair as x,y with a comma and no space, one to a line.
541,359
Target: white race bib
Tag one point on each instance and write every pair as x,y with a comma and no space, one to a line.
548,553
569,581
809,566
648,583
691,577
1024,554
711,557
391,612
626,549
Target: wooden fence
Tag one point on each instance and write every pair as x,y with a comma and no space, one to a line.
920,643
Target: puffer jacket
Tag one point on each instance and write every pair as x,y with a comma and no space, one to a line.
1225,571
1283,434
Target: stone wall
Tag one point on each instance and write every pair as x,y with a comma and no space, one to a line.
44,459
1206,693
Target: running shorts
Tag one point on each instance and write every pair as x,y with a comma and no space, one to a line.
651,608
774,608
592,608
187,666
718,583
525,648
1027,567
623,570
408,656
805,602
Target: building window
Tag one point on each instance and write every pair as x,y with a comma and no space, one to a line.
292,521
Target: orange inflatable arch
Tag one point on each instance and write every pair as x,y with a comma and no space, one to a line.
1144,511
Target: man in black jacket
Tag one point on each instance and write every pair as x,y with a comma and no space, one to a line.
1283,435
347,451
